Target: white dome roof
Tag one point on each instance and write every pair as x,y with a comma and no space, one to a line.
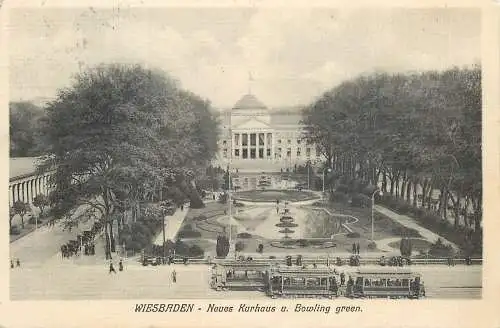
249,101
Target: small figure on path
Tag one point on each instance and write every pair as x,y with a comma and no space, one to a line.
342,279
111,268
120,265
11,264
18,263
354,248
357,248
174,276
182,207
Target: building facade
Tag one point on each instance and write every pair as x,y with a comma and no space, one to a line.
24,183
256,138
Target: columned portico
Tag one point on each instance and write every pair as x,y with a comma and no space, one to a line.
252,145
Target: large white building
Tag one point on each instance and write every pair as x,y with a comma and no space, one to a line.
257,138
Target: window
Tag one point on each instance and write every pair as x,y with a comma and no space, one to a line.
252,153
279,150
244,139
237,139
253,139
298,152
298,141
224,142
237,152
261,153
289,152
279,141
289,141
268,152
308,152
245,153
261,139
224,153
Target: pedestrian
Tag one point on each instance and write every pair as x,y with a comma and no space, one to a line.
357,248
342,279
120,265
354,248
213,196
277,209
111,268
11,264
174,276
18,263
182,207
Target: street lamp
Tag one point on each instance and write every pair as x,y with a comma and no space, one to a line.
373,205
325,170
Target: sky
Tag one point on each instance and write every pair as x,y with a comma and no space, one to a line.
293,55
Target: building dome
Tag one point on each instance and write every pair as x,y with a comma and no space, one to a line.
249,101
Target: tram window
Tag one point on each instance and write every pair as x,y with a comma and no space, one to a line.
406,282
367,282
359,280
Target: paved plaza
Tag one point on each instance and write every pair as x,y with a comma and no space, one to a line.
67,281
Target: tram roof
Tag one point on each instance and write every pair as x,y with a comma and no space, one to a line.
244,265
304,272
386,272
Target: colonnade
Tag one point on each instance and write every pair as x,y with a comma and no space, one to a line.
252,145
25,189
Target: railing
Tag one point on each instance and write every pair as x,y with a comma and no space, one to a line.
324,261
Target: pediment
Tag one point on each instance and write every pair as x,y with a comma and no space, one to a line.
252,123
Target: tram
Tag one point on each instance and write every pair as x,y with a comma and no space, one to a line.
395,283
302,282
240,276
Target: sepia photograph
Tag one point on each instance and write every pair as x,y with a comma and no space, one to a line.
245,153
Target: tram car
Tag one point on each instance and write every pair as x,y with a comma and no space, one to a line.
303,282
236,275
386,283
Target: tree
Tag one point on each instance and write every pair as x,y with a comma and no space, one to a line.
222,246
41,201
414,133
21,208
12,213
24,122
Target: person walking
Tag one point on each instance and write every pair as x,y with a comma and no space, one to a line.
120,265
11,264
111,268
174,276
18,263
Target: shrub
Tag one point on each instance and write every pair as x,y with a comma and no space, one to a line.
195,251
303,242
222,247
244,235
272,257
14,230
188,234
239,246
353,235
360,200
339,197
342,188
260,248
372,245
32,220
438,249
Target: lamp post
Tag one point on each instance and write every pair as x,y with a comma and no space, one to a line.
373,205
325,170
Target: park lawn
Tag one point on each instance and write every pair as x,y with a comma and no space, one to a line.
384,227
272,195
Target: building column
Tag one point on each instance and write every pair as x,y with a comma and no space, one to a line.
248,145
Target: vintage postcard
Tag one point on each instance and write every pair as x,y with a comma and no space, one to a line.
176,165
